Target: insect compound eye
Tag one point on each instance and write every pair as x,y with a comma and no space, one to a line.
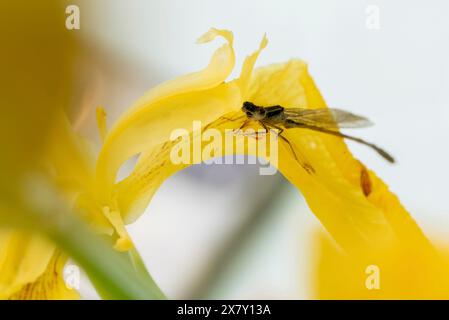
248,107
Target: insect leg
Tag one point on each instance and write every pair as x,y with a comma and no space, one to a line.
242,126
235,119
303,162
256,134
221,121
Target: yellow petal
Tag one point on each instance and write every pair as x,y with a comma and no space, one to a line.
178,111
218,69
147,119
154,164
69,157
50,285
403,271
23,259
248,66
70,163
333,192
124,242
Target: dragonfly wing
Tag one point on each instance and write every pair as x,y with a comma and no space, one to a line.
327,118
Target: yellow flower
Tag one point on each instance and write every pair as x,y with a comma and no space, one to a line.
354,206
402,271
35,84
41,151
31,268
334,192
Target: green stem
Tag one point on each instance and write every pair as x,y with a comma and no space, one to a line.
141,269
112,273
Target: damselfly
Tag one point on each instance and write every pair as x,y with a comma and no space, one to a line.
325,120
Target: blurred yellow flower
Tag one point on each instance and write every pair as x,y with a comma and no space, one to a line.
36,81
402,271
31,268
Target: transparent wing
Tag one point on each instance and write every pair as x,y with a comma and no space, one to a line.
327,118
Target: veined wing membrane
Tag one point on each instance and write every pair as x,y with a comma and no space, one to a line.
326,118
329,120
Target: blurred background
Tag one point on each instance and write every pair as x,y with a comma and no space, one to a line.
231,233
